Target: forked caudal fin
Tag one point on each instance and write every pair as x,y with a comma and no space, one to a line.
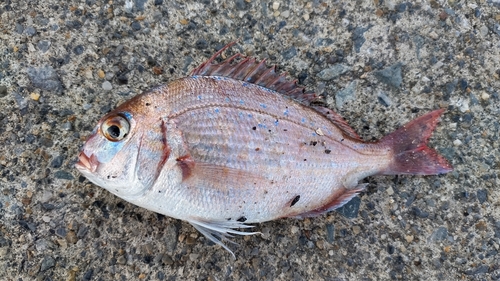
412,156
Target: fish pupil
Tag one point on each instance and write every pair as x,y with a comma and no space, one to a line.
114,131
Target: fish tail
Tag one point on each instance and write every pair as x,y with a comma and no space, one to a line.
411,153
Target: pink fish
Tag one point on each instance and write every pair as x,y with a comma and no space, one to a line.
235,143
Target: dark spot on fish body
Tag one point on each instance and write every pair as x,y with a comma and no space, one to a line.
228,219
148,104
342,140
295,200
327,151
254,128
242,219
257,149
313,143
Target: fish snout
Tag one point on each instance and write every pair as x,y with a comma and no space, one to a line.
87,163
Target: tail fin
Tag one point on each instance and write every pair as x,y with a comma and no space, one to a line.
411,153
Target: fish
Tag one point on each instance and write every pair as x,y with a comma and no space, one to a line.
237,143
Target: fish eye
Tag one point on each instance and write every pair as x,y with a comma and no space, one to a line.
115,128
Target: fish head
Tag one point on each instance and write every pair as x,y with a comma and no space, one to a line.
124,150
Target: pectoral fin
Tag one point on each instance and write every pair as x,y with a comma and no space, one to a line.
195,173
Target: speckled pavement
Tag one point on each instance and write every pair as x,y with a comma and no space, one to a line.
64,64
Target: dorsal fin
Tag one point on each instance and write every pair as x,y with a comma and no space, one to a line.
338,121
256,72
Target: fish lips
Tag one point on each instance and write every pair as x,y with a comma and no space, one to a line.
86,163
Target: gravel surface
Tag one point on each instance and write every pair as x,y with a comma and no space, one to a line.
64,64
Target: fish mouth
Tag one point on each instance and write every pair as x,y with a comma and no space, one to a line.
87,163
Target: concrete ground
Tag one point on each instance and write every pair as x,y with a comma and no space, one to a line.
63,64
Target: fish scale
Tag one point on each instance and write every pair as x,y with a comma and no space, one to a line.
237,143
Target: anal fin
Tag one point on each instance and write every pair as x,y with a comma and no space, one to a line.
338,199
220,231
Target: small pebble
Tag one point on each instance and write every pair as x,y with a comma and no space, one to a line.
109,76
457,142
67,126
482,195
485,96
276,5
45,78
35,96
45,196
439,234
121,260
433,35
136,26
333,72
266,233
47,263
481,225
330,232
30,31
62,243
190,240
390,75
350,209
356,229
409,238
57,161
390,191
294,229
106,86
181,237
78,50
88,74
166,259
26,201
43,45
101,74
346,94
3,91
71,237
483,30
194,257
71,275
384,99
